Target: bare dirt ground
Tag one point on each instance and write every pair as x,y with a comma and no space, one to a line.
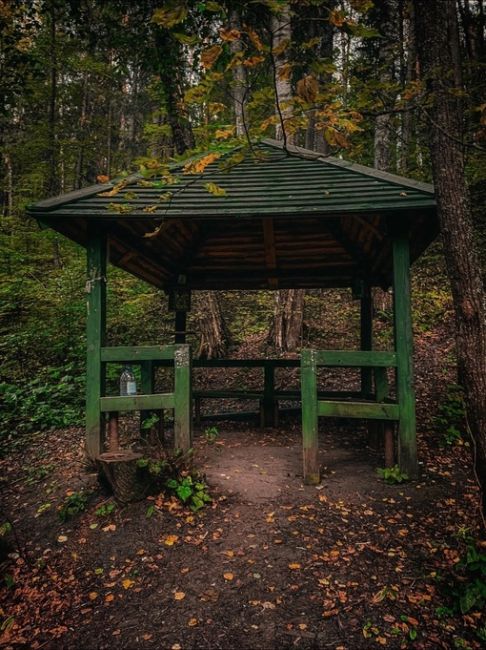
351,563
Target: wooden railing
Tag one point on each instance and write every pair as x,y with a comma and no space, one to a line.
312,407
179,400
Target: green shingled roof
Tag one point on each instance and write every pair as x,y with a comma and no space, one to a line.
289,218
298,182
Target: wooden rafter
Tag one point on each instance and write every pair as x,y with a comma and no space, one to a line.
270,252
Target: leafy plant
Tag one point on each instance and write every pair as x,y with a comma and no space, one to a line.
471,593
211,434
73,504
190,491
105,509
450,418
392,475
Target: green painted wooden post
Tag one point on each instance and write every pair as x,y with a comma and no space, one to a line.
269,394
96,247
182,398
180,327
147,388
308,378
366,336
407,443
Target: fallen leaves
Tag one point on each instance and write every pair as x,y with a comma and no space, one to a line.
170,540
127,583
295,565
228,575
179,595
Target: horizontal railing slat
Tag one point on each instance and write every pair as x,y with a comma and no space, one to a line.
137,402
356,358
365,410
133,354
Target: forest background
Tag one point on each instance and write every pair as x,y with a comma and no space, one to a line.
94,90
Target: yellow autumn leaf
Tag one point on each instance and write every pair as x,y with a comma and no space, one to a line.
170,540
62,538
198,166
127,583
254,38
192,622
228,576
295,565
210,56
214,189
252,61
115,189
229,34
150,208
307,88
109,598
222,134
93,595
179,595
170,16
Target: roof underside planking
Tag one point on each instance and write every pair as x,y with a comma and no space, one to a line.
289,219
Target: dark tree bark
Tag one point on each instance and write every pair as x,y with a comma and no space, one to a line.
170,71
211,325
323,29
52,181
388,26
438,48
238,89
288,319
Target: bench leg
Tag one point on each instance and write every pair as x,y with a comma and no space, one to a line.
197,411
113,436
389,444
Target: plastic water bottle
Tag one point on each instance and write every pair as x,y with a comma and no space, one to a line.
128,385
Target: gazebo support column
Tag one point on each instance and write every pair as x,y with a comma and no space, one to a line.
183,399
366,336
309,418
180,326
407,443
95,337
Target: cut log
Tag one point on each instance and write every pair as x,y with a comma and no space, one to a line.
121,472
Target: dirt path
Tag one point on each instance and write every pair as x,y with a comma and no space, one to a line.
350,564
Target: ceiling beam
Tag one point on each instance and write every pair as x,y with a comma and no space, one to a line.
270,251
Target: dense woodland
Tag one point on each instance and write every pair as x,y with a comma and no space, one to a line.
93,90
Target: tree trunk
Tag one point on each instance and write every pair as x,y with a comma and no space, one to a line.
288,319
52,182
211,325
438,48
323,29
281,38
409,74
171,71
289,304
388,26
238,88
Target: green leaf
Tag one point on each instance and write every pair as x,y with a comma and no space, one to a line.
184,492
214,189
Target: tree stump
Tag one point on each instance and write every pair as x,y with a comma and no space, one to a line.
121,472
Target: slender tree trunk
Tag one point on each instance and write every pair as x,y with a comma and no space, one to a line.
78,176
281,38
211,325
438,48
322,28
289,304
238,89
52,183
410,64
383,125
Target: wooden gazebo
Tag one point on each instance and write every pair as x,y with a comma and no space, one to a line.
288,218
